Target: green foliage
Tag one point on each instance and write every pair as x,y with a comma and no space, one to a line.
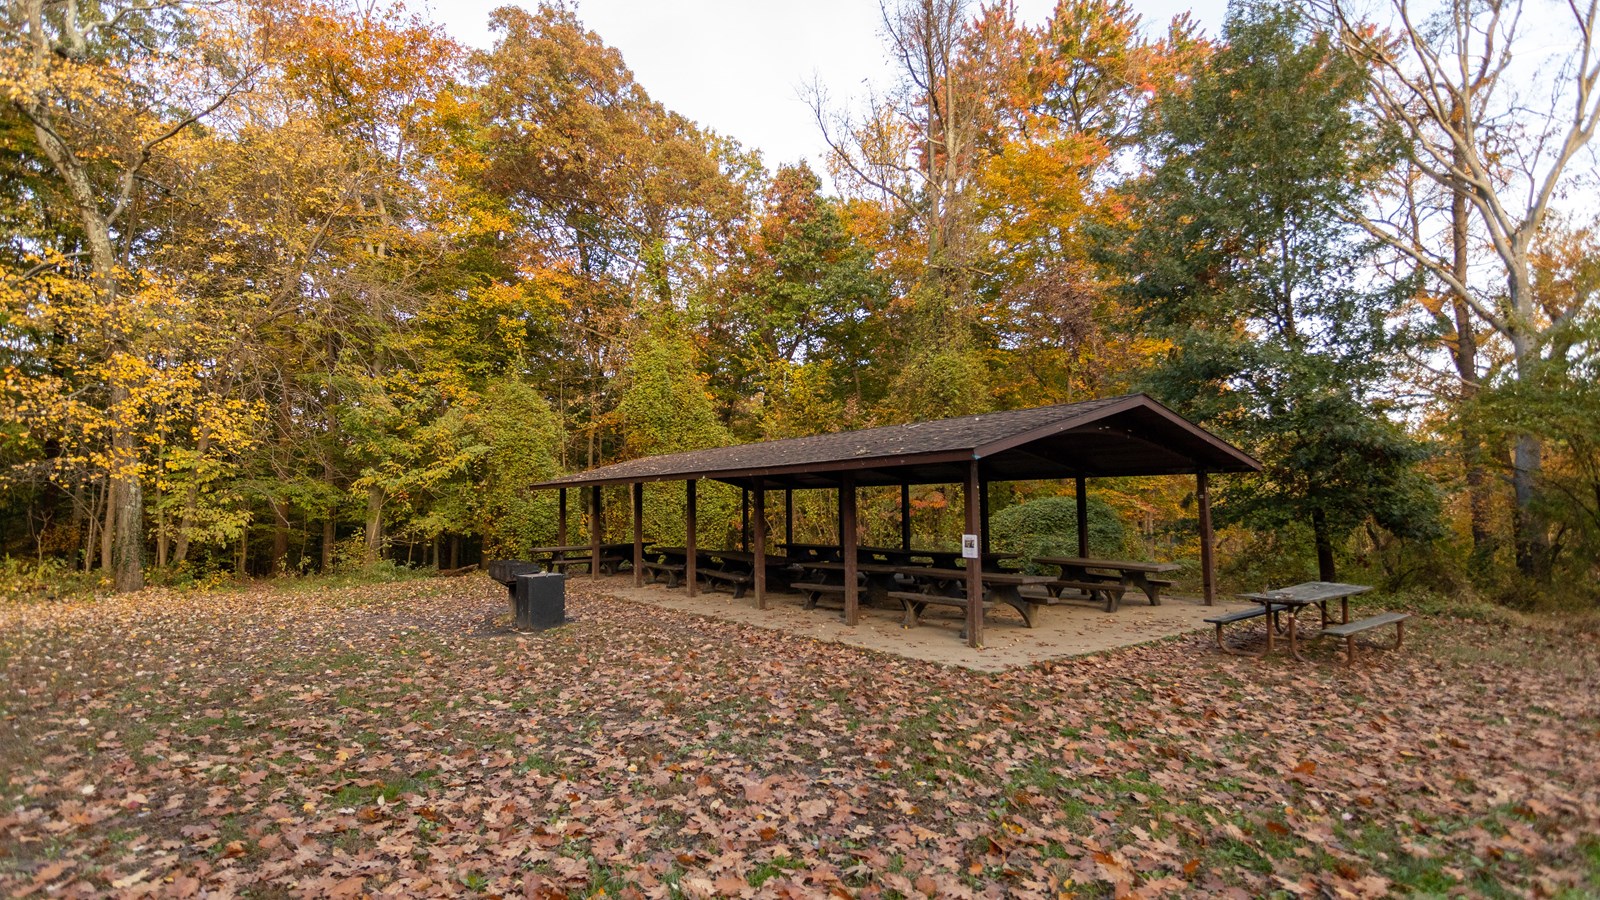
1238,256
800,401
665,407
1557,400
936,382
522,435
1048,526
29,580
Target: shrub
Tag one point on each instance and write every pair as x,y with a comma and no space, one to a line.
1049,527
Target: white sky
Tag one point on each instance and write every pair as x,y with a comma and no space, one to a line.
737,66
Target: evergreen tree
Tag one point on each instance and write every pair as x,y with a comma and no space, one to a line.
1238,255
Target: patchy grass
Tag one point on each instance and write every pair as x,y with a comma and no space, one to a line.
345,739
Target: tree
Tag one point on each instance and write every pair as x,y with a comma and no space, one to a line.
522,435
1070,96
1558,401
105,87
665,408
1238,254
1500,135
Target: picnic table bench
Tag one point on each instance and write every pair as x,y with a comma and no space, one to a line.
1349,630
738,582
914,602
731,568
1075,570
895,556
1107,593
671,573
816,590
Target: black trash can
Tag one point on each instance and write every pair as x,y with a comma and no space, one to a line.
540,600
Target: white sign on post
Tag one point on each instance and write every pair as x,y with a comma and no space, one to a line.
969,546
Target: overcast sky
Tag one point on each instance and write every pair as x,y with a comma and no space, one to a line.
737,66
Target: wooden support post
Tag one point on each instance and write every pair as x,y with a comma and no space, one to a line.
905,517
983,515
1083,517
1208,563
596,532
744,521
561,518
693,557
760,537
847,543
788,518
839,521
971,500
638,533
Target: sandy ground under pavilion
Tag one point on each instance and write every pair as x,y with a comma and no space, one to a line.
1065,630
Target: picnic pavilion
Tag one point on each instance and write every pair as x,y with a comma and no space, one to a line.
1106,438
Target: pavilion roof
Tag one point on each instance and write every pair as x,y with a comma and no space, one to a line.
1129,435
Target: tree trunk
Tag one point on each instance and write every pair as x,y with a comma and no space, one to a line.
280,536
191,501
162,539
329,536
108,524
1533,544
374,523
1465,358
91,530
1527,459
1319,525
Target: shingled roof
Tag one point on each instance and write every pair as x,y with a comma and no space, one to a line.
1130,435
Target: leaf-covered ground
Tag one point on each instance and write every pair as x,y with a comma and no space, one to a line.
396,740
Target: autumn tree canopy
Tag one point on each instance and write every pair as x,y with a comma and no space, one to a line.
294,286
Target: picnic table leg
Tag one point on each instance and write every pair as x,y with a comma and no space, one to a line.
1009,595
1142,582
1233,651
1294,647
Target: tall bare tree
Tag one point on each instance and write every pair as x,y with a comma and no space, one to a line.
1498,108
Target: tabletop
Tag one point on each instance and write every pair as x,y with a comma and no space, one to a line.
870,568
1308,593
584,548
1085,562
989,577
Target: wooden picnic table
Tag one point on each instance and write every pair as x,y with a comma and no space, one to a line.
936,584
813,551
1293,600
734,568
612,555
1083,569
878,578
898,556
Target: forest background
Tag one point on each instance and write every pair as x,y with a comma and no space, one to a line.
292,287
